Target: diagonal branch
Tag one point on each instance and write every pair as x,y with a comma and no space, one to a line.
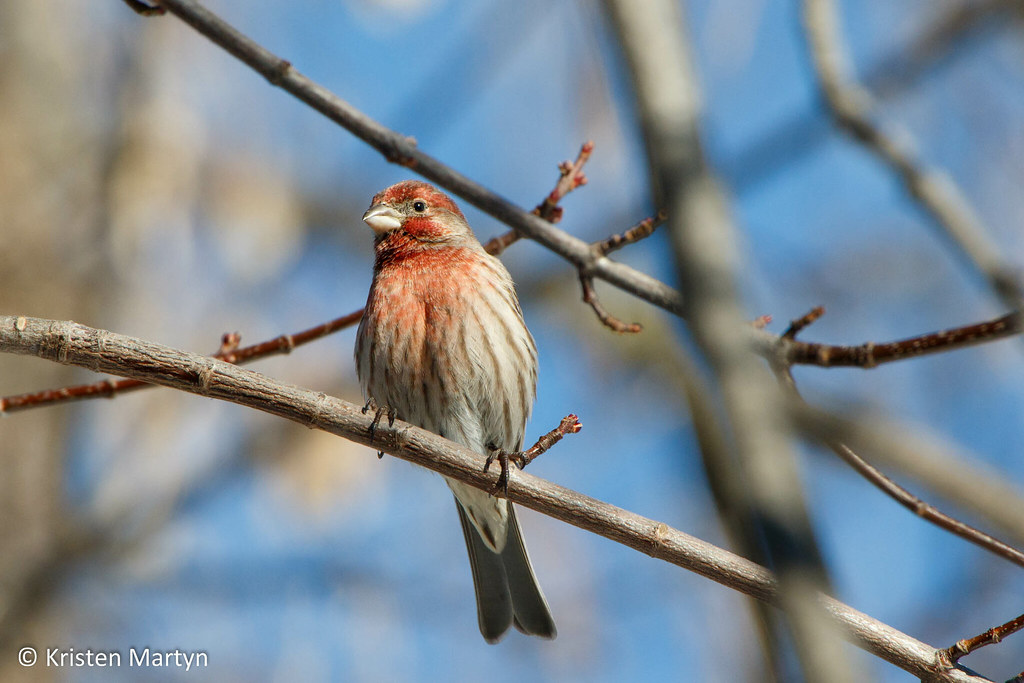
402,150
102,351
994,635
932,460
641,230
923,509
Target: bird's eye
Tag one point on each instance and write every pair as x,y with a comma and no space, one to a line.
419,206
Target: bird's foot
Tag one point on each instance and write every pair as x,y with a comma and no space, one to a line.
379,412
504,458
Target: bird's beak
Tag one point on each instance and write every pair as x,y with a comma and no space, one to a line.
382,218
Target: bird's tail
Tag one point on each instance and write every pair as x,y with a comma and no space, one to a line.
507,592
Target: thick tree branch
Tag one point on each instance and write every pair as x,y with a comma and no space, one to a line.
73,344
707,260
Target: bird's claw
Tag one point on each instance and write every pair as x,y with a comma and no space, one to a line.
504,458
379,412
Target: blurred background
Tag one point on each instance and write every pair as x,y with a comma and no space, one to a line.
153,186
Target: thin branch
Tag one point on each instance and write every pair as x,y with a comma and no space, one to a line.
641,230
788,351
923,509
933,461
570,424
606,318
853,109
102,351
570,176
875,476
402,150
796,326
994,635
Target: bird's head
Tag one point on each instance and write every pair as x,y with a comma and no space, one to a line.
417,211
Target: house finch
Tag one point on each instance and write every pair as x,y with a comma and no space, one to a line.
442,345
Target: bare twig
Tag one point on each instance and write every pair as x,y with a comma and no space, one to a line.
644,228
570,176
994,635
103,351
641,230
853,109
788,351
606,318
875,476
933,461
796,326
570,424
925,510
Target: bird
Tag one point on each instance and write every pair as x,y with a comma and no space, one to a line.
442,344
